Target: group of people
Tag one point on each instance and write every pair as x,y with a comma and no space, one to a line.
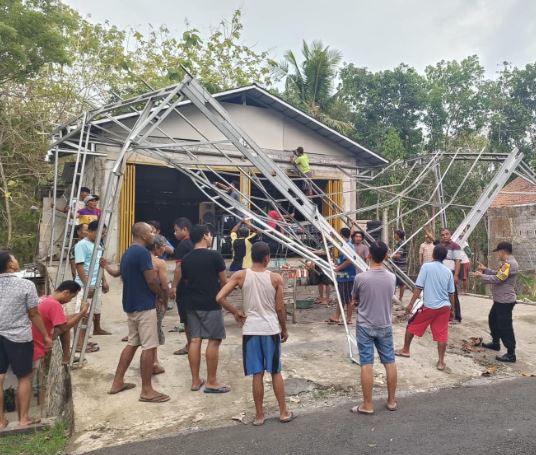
201,288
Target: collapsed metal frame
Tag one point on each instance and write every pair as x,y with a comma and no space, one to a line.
183,155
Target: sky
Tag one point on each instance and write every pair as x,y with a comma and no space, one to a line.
378,34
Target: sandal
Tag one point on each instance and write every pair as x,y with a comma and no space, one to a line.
358,410
181,351
221,389
332,321
198,388
400,353
89,348
126,386
391,408
160,398
288,419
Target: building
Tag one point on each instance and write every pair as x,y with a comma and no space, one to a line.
512,218
153,191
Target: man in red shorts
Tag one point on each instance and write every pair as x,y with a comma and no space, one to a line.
437,285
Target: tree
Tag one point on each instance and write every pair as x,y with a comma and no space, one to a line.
454,100
391,99
309,84
31,35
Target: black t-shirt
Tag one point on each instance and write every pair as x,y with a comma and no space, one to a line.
200,279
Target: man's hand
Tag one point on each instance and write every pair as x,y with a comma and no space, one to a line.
103,263
478,274
172,293
284,335
481,267
47,342
105,287
240,317
84,308
456,279
409,308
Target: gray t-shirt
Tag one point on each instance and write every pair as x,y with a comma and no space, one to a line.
17,296
373,291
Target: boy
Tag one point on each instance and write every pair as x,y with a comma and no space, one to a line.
264,328
56,323
372,294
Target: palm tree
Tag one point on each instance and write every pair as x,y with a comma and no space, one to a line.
309,85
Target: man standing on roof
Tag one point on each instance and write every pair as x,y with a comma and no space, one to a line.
503,282
301,161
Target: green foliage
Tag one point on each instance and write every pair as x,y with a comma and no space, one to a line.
391,99
393,149
454,101
46,442
309,84
32,34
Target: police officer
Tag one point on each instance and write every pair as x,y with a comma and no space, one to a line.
503,282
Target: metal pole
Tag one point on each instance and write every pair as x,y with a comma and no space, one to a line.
54,197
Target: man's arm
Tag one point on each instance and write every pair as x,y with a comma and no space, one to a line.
150,277
280,306
237,279
162,277
177,277
457,266
115,272
61,329
81,273
343,265
416,294
36,319
237,226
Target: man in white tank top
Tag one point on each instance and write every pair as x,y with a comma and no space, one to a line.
264,328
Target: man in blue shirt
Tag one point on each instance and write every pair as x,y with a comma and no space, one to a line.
346,272
140,291
436,282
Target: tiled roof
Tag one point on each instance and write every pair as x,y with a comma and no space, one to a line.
510,196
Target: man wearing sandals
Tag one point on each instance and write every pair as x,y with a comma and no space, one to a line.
264,329
140,292
372,293
436,282
203,275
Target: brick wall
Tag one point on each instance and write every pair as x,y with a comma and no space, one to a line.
518,226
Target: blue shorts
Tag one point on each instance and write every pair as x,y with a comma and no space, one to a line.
261,353
381,337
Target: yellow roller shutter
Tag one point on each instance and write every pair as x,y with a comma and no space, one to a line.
127,207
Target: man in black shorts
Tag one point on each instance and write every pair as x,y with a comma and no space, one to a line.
182,226
203,274
18,310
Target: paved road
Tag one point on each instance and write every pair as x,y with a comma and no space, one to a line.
486,419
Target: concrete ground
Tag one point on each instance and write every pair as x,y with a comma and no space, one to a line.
316,367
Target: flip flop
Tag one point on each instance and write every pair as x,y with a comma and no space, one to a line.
288,419
126,386
441,368
158,370
5,424
258,424
181,351
33,421
160,398
401,354
90,348
391,408
124,339
358,410
332,321
222,389
198,388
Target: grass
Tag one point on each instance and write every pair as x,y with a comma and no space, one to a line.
45,442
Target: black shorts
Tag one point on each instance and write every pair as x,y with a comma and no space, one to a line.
17,355
345,290
399,282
